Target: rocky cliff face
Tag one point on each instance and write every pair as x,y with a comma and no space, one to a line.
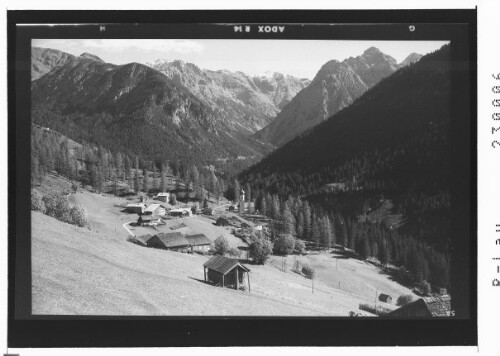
335,86
244,103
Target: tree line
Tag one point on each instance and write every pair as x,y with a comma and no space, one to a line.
294,218
104,170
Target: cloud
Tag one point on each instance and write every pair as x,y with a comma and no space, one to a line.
163,45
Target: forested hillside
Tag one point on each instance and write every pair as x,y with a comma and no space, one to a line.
335,86
136,110
381,164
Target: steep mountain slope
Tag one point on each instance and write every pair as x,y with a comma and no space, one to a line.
244,103
135,109
392,141
43,60
335,86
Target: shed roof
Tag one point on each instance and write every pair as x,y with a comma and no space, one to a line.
173,239
149,217
223,264
144,238
152,207
135,205
198,239
438,306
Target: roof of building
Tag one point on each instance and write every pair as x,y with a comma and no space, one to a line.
223,264
148,217
198,239
152,207
438,306
173,239
135,205
180,210
163,194
144,238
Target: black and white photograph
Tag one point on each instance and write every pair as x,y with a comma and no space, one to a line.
240,177
179,179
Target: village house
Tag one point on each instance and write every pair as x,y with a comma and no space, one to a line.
163,196
199,242
427,307
149,220
334,187
181,212
135,208
154,209
385,298
143,239
169,241
226,272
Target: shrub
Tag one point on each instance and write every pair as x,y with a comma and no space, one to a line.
63,210
260,249
234,252
50,202
404,299
425,287
79,216
308,271
173,199
300,247
221,246
284,244
37,201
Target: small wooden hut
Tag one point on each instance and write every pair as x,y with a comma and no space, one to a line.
226,272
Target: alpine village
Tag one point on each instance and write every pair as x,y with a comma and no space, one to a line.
167,189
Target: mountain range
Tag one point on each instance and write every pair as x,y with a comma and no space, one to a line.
335,86
131,108
393,141
175,110
246,103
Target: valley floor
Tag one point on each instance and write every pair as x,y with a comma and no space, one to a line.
77,271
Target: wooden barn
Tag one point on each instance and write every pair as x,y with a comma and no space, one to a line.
385,298
162,196
169,241
143,239
154,209
135,208
148,220
199,242
427,307
226,272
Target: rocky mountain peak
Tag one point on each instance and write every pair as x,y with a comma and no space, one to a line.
371,51
411,58
91,56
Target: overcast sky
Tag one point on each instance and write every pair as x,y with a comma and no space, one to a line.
299,58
